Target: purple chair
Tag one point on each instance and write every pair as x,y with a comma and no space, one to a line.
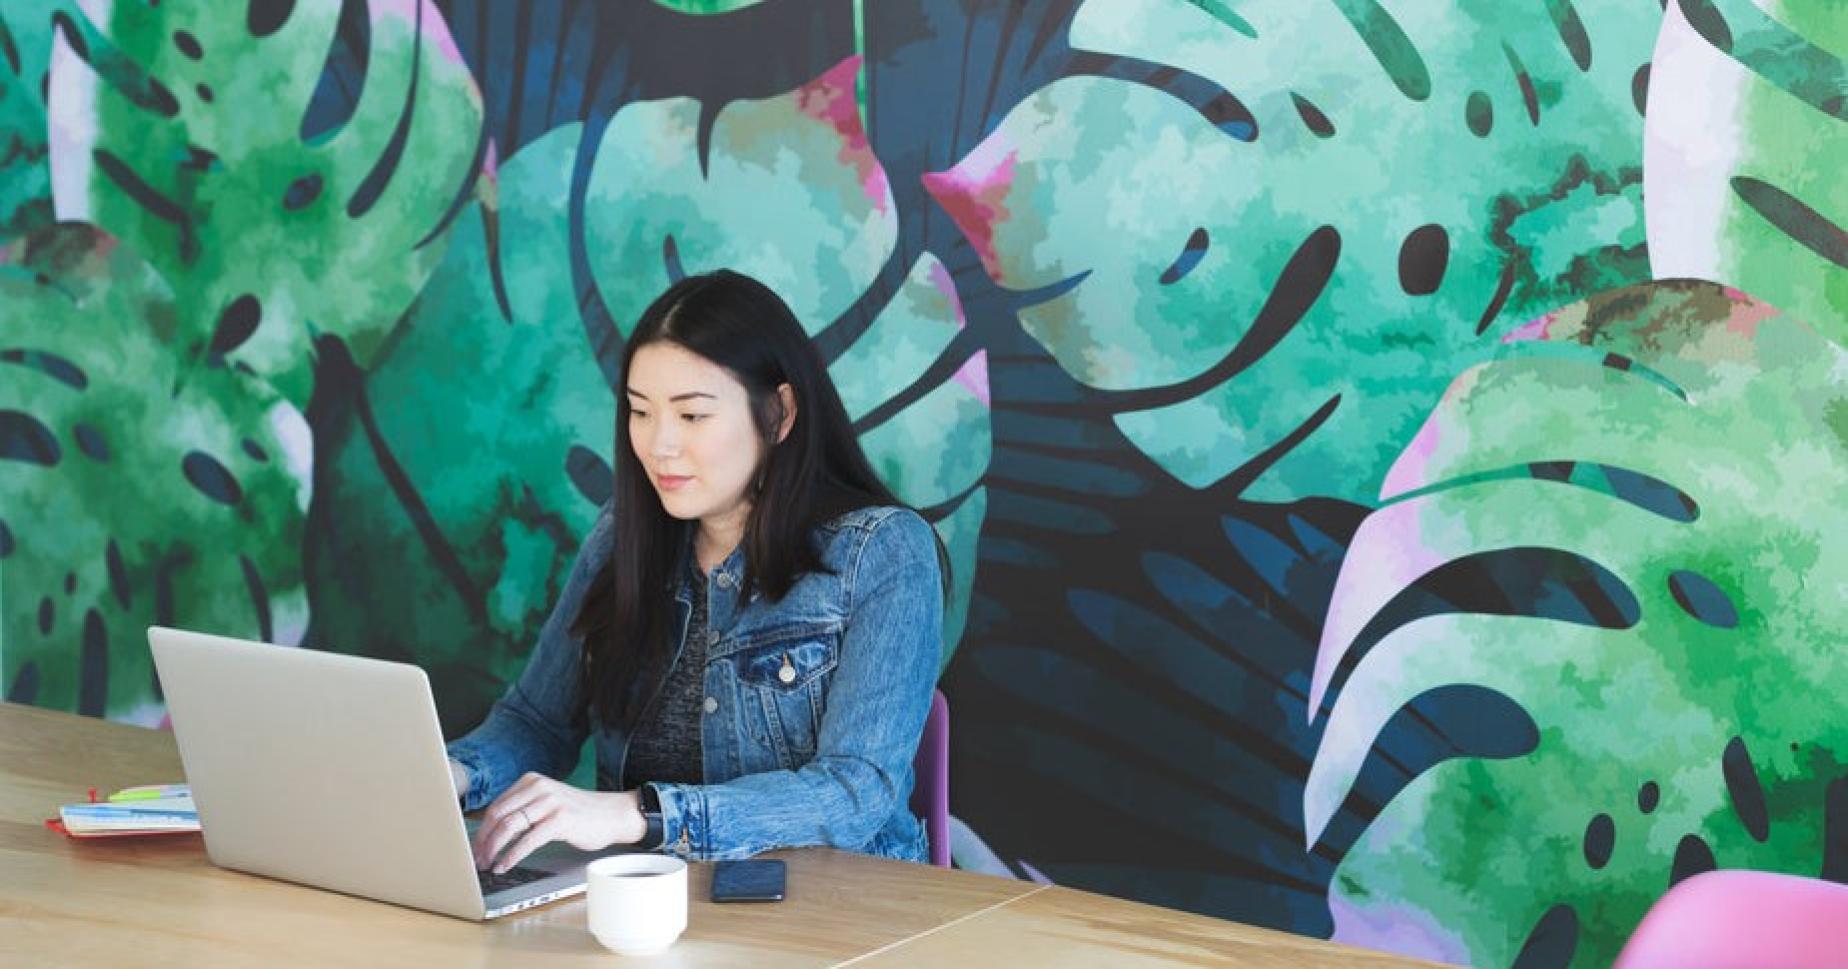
1741,918
930,796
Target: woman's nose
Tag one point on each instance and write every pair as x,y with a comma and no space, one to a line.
664,443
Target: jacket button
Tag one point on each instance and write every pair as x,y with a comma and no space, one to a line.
787,674
710,706
725,580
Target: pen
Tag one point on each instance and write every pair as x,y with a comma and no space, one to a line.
150,792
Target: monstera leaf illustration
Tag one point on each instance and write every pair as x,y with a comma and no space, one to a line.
181,129
933,450
1692,443
1744,182
131,495
25,180
788,190
705,7
785,189
1298,263
473,458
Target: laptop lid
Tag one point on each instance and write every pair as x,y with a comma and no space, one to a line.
327,770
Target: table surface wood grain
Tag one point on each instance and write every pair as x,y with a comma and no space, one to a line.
160,902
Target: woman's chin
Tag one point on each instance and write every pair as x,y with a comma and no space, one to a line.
678,509
685,507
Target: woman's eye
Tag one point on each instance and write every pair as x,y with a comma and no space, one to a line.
694,418
638,414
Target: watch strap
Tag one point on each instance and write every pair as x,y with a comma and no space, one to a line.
655,833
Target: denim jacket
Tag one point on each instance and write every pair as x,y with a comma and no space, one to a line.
814,702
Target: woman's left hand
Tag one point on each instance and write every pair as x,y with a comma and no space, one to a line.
537,810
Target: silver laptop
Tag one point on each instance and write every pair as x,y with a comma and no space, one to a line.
329,771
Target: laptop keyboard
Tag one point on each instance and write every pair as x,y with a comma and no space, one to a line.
511,878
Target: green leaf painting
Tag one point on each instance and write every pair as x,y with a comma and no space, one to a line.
25,178
934,451
1701,729
473,459
787,189
180,129
1378,421
1744,182
1304,259
707,7
131,496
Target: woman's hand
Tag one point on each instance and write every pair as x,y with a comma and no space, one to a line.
537,810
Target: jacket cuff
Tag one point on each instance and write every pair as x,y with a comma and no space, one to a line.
683,819
475,796
460,778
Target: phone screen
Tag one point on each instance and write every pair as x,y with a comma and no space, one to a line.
750,880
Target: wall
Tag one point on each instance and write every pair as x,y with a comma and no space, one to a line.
1389,452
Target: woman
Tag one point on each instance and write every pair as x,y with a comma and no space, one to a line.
751,630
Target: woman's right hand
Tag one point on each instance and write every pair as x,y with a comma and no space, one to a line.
538,809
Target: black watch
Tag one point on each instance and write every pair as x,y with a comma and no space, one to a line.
651,814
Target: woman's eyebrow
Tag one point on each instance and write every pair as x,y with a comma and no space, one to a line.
677,398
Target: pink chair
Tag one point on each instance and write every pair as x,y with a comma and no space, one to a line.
1742,918
930,795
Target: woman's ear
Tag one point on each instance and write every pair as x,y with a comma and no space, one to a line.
786,396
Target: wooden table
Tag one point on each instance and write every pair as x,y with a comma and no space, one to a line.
160,902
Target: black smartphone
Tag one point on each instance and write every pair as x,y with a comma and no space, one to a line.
750,880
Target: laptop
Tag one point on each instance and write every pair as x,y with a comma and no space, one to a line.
329,770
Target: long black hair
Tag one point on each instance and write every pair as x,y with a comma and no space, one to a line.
812,476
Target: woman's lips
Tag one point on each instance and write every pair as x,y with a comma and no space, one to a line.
670,482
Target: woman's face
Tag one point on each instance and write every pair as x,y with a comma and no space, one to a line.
690,425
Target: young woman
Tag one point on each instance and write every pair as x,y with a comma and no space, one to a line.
750,631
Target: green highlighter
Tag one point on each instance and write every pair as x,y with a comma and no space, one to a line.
150,792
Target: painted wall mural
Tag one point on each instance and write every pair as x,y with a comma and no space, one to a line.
1390,453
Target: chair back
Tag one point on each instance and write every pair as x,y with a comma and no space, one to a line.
1741,918
930,795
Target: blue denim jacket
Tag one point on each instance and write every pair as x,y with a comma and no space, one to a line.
822,757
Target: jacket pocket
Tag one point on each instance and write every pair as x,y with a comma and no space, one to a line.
787,679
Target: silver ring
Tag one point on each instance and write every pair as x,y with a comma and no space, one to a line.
523,817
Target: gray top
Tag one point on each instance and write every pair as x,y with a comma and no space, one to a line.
666,745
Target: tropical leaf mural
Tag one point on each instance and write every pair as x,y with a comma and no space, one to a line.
927,437
184,129
462,473
1692,442
1233,184
1278,293
706,7
785,189
25,179
138,488
1143,302
1735,188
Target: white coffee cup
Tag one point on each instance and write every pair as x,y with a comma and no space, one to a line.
637,903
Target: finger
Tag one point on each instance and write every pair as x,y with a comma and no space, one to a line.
503,820
511,825
487,842
499,829
532,840
484,837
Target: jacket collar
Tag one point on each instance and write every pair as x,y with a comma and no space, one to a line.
729,575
